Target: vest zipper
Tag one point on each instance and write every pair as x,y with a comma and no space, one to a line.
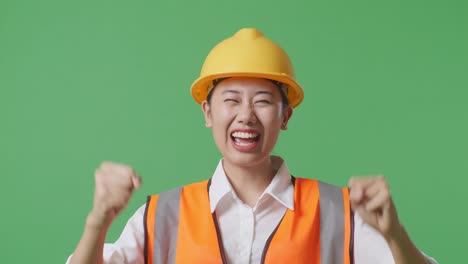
145,224
218,233
268,242
351,240
220,241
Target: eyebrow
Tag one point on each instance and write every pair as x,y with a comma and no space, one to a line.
231,91
237,92
264,92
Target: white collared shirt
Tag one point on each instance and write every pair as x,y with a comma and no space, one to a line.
245,230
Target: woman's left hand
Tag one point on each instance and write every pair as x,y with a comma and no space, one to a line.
370,197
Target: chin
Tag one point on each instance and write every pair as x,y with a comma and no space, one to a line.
246,160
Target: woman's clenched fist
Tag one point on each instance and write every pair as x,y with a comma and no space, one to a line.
114,185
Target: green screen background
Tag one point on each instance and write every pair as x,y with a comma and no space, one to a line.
86,81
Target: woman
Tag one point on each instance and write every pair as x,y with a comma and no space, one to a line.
252,210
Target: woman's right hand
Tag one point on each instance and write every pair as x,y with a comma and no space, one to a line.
114,186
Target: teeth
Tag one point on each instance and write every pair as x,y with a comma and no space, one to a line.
244,135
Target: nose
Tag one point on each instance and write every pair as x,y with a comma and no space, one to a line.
246,115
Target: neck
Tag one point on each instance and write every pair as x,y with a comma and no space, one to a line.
249,182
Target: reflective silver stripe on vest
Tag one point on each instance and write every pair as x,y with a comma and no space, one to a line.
331,224
166,227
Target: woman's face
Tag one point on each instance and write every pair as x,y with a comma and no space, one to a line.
246,115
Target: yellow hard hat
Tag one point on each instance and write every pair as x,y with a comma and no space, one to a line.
248,54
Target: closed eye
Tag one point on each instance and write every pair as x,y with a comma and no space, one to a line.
263,101
230,100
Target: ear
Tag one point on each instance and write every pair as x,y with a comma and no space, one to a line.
287,113
207,113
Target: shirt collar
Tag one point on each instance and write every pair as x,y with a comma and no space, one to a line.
280,188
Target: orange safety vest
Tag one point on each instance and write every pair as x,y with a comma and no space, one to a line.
180,228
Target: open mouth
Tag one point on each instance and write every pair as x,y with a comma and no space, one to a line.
245,139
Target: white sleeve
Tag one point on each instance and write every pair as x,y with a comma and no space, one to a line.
370,247
128,249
